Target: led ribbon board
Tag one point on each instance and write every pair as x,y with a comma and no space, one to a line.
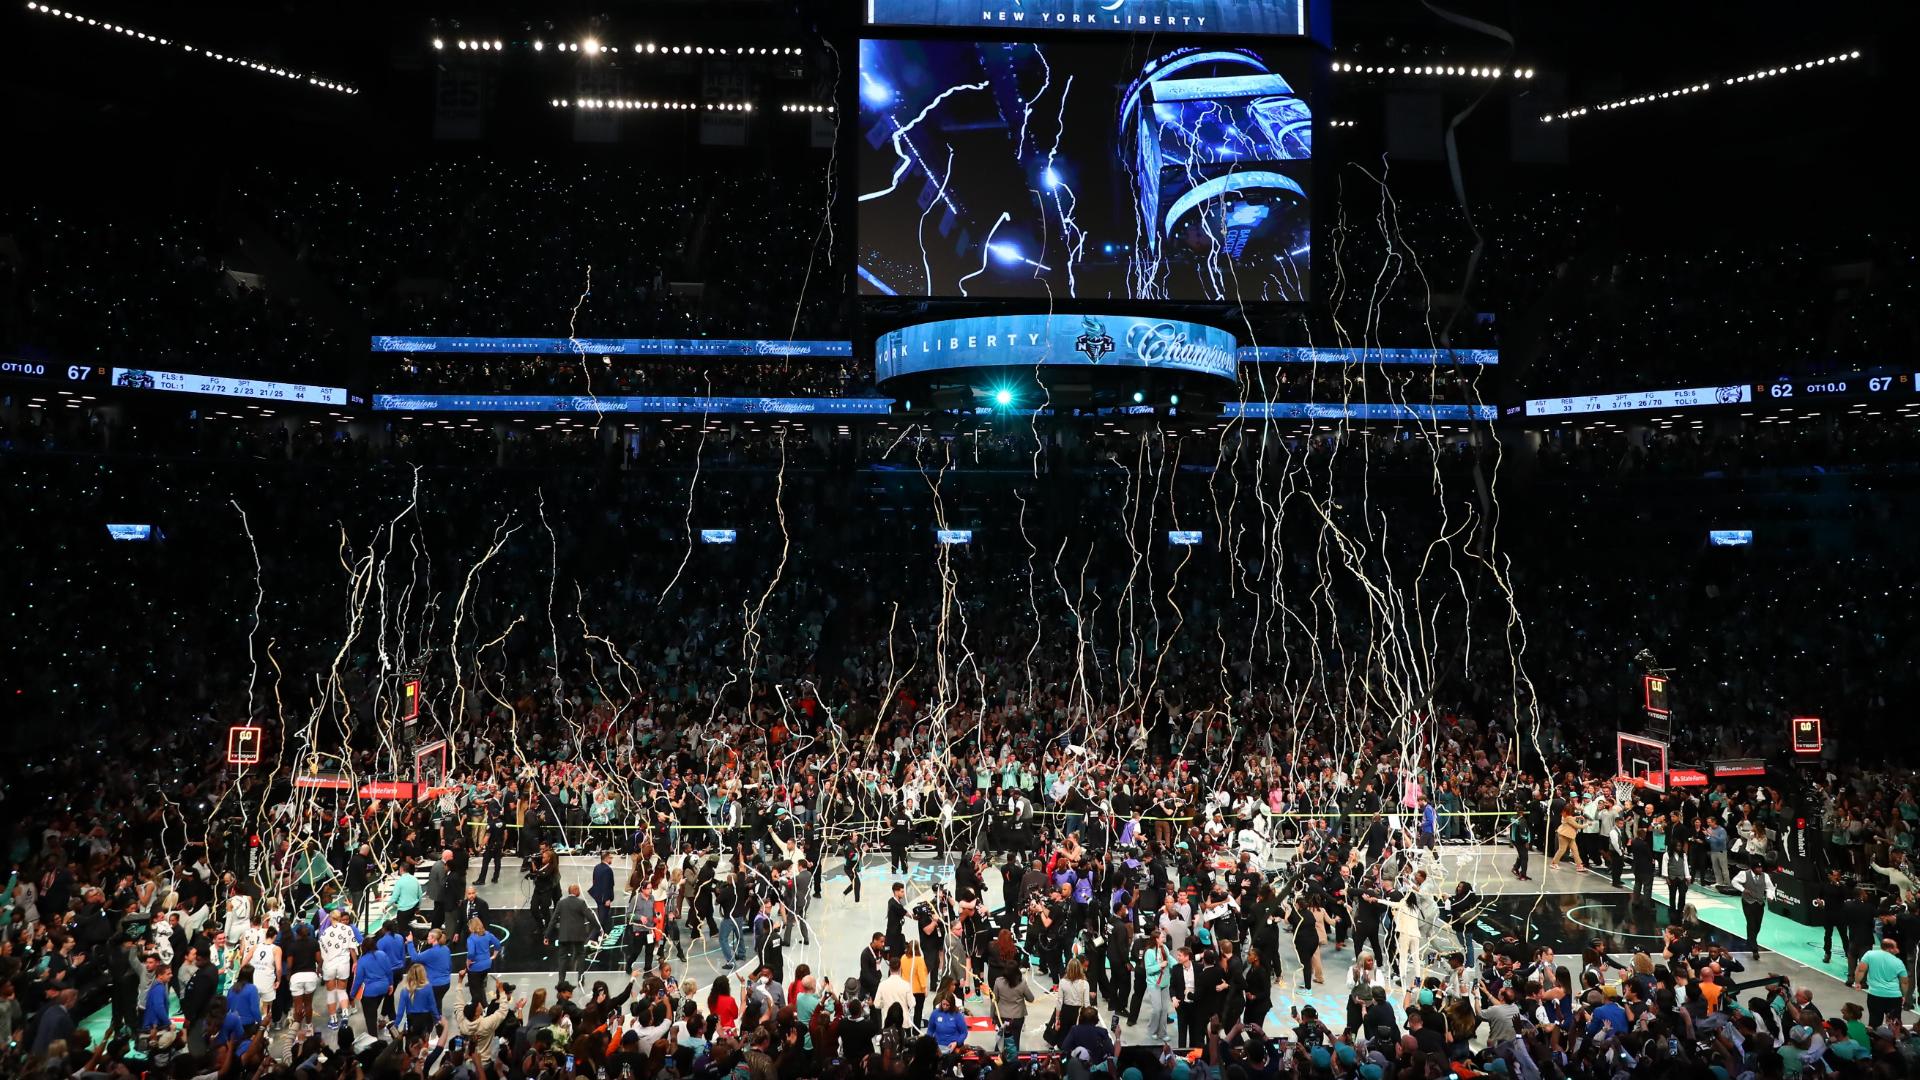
1266,18
545,403
1355,410
1121,341
1641,399
1307,354
543,346
219,386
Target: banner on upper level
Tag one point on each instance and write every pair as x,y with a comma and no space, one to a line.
1248,17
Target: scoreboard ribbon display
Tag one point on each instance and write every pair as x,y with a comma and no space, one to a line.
549,346
1132,341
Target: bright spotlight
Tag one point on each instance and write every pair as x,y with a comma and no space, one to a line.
1003,397
438,44
539,46
1138,397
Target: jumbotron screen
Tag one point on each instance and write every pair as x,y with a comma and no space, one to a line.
1085,169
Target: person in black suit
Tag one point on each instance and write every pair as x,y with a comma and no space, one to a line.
1376,841
1643,867
198,993
896,920
1368,914
438,882
1221,988
602,888
493,848
814,850
1831,902
472,907
572,924
853,868
897,839
1859,915
1181,991
873,965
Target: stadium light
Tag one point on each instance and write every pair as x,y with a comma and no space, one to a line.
1698,88
1003,397
187,47
439,44
1482,71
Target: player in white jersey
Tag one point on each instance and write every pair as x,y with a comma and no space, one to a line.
266,962
339,943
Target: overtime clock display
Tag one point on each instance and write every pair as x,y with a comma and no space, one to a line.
1855,385
41,369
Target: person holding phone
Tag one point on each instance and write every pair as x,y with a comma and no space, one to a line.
479,1028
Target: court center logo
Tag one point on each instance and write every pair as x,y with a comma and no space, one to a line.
1094,340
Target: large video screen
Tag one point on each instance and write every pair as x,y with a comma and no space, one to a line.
1085,170
1264,18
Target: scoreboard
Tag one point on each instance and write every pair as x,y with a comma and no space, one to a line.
1865,386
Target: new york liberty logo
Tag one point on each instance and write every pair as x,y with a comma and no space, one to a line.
1094,340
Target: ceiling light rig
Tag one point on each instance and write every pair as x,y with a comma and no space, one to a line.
649,105
1467,71
1702,87
132,34
596,47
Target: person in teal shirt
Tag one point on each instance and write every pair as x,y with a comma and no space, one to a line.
1886,980
405,901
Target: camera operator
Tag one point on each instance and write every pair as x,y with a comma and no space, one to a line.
543,869
930,917
1048,930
